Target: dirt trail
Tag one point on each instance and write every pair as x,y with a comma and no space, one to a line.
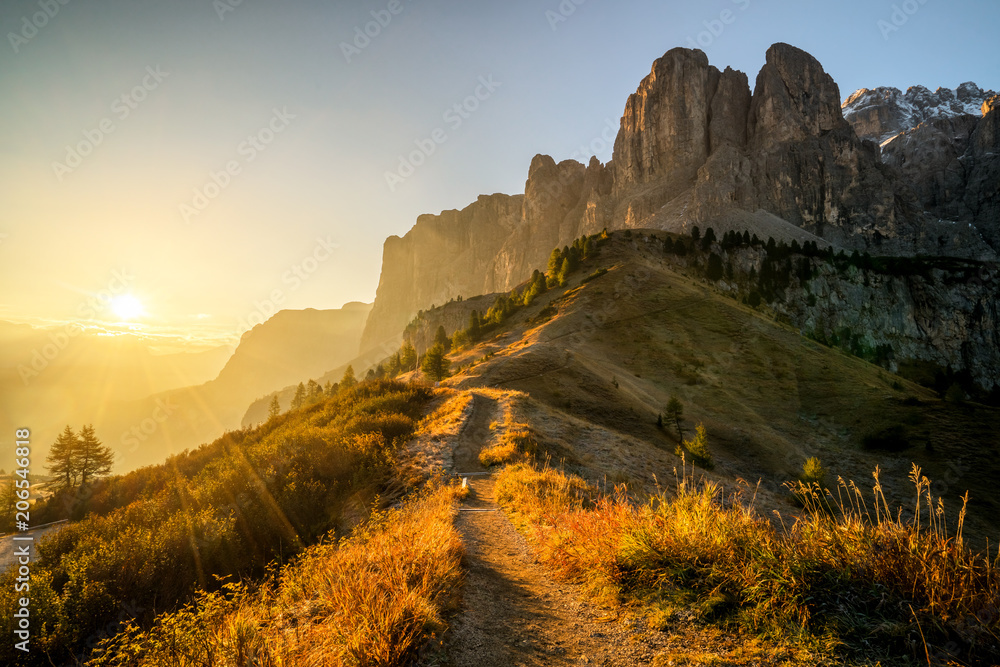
513,612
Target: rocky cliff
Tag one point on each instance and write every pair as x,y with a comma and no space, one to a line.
882,113
695,146
952,163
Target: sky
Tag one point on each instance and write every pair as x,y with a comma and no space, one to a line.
212,161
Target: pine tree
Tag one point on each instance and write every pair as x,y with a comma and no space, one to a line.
695,233
555,261
698,448
61,460
408,357
435,364
708,240
674,413
474,329
274,410
441,338
813,472
300,397
314,392
348,380
93,458
715,268
564,271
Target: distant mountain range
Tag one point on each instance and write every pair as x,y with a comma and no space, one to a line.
882,113
144,421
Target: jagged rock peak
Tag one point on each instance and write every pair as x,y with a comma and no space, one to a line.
794,97
881,113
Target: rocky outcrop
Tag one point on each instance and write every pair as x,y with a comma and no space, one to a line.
881,113
694,146
982,192
441,257
945,320
489,246
953,166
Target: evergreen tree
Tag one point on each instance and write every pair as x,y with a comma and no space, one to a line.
274,410
93,458
746,237
313,391
813,472
555,262
668,246
695,233
563,272
674,413
709,239
714,271
348,380
328,389
300,397
474,326
435,365
61,460
408,357
441,338
698,448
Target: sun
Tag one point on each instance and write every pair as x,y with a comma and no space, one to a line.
127,307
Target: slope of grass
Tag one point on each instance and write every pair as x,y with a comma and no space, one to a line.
371,599
849,579
252,498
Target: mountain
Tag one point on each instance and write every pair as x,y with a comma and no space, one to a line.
606,352
695,147
60,376
293,345
290,346
881,113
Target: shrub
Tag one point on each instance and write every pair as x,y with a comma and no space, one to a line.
698,448
813,472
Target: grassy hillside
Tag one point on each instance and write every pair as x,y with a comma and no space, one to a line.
247,501
609,349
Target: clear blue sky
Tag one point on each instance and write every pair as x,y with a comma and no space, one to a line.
323,175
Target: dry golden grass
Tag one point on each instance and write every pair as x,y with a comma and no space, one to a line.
513,440
372,600
847,579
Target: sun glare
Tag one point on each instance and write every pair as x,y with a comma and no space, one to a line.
127,307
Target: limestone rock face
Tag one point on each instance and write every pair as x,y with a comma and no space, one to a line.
930,159
490,246
664,128
881,113
695,145
982,194
441,257
953,165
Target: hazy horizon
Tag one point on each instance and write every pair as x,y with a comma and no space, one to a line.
169,98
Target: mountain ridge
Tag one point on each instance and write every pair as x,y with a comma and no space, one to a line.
695,147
